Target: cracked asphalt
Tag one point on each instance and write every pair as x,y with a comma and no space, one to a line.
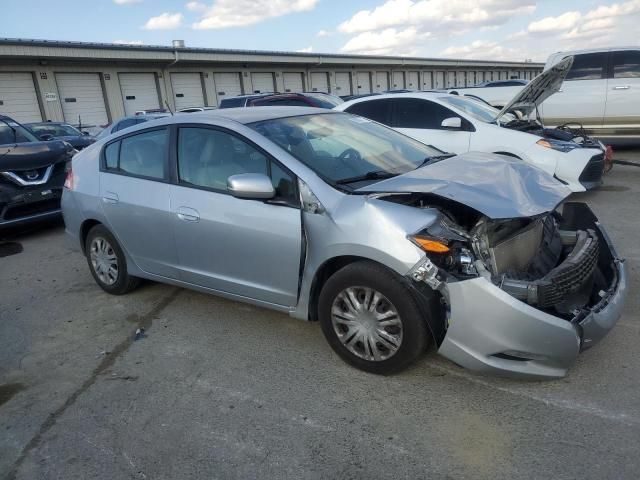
218,389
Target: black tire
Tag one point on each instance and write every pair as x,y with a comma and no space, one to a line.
124,282
365,274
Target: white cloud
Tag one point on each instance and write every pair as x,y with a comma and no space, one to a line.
385,42
323,33
436,14
164,21
479,49
196,7
126,2
614,10
305,50
565,21
240,13
128,42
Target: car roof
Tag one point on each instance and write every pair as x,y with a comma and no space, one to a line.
259,114
48,123
424,95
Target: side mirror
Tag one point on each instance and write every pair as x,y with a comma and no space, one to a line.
46,137
85,133
251,186
452,122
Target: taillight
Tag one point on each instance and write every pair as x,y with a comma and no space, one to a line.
68,181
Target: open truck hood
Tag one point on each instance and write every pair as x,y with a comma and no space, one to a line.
538,90
495,185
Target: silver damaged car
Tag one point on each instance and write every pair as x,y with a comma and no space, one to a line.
390,244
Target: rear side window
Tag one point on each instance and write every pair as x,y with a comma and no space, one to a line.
280,102
377,110
414,113
232,102
626,64
141,155
588,66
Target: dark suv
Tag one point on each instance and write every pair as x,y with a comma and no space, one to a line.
32,173
305,99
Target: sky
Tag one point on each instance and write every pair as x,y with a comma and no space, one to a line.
481,29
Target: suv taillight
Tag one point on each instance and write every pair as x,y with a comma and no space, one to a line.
68,181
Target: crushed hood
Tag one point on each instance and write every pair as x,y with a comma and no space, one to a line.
33,155
495,185
538,89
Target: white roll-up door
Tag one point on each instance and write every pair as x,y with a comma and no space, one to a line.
227,85
343,83
398,80
139,92
382,82
413,81
82,99
451,79
427,81
262,82
320,82
364,82
187,90
460,79
440,80
18,97
293,82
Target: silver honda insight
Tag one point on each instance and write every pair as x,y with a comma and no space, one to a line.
390,244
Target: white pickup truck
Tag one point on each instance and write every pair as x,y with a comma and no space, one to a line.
600,93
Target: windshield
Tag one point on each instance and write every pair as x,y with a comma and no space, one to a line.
21,135
340,147
475,108
55,130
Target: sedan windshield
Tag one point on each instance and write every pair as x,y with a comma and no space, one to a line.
475,108
12,132
55,130
344,148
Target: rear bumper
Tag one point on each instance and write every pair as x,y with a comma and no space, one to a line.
491,331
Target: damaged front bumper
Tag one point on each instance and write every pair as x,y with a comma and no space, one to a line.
491,331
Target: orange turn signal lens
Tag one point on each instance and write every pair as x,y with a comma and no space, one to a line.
544,143
431,245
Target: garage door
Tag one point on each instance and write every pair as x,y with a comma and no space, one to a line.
227,85
82,99
187,90
293,82
262,82
320,82
413,82
398,79
451,79
18,97
382,82
139,92
427,81
343,83
461,79
364,82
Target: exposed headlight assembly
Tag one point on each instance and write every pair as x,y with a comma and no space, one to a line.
557,145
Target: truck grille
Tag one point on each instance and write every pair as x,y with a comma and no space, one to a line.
591,176
572,274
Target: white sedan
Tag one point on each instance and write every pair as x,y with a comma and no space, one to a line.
459,124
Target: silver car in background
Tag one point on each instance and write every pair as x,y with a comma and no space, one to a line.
389,243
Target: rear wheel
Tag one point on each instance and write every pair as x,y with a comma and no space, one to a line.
371,319
107,262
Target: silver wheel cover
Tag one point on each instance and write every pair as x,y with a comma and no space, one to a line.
104,260
366,323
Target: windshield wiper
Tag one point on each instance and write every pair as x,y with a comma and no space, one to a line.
435,158
375,175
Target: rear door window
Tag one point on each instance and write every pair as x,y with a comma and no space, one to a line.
588,66
377,110
143,154
626,64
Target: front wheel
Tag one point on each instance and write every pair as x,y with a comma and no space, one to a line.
371,319
107,262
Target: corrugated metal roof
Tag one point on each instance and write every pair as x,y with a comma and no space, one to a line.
247,55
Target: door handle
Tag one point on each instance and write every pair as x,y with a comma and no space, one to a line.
188,214
110,197
621,87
